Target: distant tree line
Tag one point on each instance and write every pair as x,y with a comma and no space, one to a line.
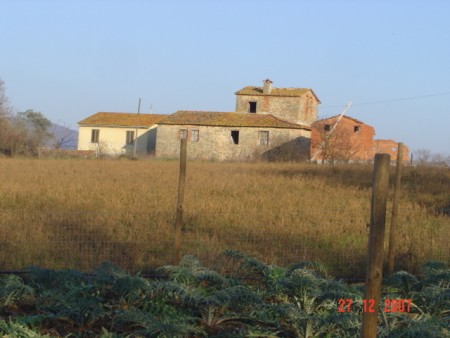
426,156
23,133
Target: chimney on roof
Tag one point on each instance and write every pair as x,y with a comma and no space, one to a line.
267,86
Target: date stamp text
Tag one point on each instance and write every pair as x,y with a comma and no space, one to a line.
368,305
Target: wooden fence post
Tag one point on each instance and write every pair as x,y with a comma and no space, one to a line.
380,184
393,230
180,201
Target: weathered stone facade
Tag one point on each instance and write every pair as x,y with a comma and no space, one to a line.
270,123
298,105
216,143
232,136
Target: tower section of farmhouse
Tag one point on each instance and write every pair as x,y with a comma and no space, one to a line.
297,105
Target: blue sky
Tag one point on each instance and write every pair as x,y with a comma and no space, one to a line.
71,59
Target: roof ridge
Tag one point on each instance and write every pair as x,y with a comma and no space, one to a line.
346,116
204,111
277,91
123,113
183,117
121,119
286,121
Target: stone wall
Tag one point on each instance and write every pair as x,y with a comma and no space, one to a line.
215,143
297,109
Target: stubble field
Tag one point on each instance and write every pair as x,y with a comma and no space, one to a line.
78,213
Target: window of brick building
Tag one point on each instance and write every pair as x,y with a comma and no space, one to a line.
356,129
252,107
327,127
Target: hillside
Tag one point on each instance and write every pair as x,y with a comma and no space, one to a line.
64,137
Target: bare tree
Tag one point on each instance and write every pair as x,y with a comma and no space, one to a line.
24,133
336,146
63,137
427,156
422,155
35,128
5,123
4,107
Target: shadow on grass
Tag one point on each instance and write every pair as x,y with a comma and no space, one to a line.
79,241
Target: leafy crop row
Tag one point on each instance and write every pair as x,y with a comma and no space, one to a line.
192,301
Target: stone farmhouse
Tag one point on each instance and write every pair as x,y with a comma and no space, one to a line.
272,123
231,136
348,139
268,123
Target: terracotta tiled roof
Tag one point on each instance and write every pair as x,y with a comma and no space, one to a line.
122,119
250,90
229,119
336,116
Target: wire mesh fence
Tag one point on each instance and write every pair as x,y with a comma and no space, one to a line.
144,241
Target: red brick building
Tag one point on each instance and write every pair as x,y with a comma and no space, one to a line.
348,139
390,147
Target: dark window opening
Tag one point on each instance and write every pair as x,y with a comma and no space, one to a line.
356,128
235,136
95,135
252,107
130,137
327,127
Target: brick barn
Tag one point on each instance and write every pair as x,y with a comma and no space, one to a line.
348,139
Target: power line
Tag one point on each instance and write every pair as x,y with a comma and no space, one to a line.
393,100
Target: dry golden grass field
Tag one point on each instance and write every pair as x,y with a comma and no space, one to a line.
77,213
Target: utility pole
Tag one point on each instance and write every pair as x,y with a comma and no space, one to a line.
136,132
